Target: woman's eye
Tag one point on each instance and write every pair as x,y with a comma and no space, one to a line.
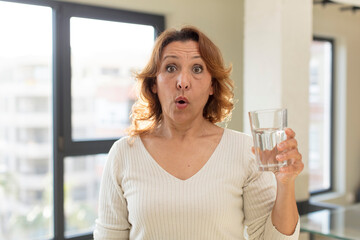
170,68
197,69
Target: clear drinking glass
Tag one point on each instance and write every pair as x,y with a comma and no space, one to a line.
268,130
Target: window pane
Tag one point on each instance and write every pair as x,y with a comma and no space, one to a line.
104,56
82,182
26,210
320,115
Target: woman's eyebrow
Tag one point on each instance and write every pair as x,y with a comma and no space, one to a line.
170,56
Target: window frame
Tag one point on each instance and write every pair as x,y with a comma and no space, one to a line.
63,144
332,112
70,146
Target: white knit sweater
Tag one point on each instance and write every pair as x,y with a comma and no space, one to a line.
139,200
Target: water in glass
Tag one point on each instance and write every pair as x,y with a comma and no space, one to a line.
266,140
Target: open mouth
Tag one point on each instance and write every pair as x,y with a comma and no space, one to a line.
181,102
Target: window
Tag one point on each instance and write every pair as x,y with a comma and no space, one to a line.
33,134
25,183
33,166
65,97
33,104
82,192
320,98
102,86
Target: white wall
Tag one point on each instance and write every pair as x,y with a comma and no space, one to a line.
221,21
344,27
277,38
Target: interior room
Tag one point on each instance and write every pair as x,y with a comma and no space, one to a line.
67,86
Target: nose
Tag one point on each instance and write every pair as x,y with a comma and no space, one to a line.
183,82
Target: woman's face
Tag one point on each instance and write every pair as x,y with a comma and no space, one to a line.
183,83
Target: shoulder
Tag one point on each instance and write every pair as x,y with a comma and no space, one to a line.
121,152
237,143
123,146
125,142
234,135
119,144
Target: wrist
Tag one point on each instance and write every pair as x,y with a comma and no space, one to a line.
285,180
287,187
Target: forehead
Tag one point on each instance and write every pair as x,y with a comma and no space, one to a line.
180,48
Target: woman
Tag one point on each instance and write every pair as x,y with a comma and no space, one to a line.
180,176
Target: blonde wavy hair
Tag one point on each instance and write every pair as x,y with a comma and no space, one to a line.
147,113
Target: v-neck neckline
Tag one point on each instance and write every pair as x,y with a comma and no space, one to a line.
171,176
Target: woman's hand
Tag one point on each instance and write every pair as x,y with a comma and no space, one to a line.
288,151
285,215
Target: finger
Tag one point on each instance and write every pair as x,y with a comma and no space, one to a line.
290,133
287,144
253,150
287,169
296,167
292,154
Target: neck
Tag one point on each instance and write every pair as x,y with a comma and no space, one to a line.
171,130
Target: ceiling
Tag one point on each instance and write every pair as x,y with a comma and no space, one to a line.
345,5
349,2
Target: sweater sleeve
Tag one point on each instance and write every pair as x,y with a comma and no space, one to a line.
259,197
112,222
